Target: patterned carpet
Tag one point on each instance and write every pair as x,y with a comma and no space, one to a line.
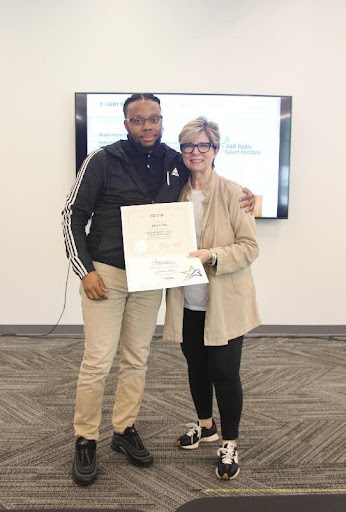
293,430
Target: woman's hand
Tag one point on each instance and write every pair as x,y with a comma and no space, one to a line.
247,200
203,254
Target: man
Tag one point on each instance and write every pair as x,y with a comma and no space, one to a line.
140,170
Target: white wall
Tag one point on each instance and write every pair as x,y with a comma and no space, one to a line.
51,49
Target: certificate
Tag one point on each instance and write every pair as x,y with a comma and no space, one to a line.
157,241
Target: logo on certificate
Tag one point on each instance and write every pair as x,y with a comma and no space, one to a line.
191,273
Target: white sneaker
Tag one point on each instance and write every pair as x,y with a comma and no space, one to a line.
197,434
227,467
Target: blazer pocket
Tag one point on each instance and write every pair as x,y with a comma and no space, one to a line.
231,287
235,283
242,281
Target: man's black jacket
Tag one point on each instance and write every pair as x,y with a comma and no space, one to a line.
107,180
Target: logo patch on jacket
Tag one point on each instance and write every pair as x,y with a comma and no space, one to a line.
175,172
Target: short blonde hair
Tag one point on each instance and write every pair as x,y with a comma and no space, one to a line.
195,127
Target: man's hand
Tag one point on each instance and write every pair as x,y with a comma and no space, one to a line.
247,200
203,254
94,286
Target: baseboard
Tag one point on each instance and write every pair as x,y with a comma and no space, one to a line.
299,330
41,330
262,330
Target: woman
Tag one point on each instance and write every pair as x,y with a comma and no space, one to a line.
211,319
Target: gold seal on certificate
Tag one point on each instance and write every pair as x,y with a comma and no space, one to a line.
157,241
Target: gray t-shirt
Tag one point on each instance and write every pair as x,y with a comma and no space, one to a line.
195,296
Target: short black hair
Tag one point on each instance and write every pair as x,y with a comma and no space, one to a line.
140,96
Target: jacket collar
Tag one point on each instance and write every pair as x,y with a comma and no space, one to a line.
208,187
133,148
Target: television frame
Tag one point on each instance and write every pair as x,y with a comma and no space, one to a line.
81,120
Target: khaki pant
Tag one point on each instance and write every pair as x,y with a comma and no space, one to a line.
128,318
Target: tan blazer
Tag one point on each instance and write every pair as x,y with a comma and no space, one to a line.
232,309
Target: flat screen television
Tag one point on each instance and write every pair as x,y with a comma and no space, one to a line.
255,136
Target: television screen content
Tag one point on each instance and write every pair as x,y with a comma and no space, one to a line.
255,136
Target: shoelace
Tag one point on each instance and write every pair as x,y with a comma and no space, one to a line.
86,453
137,440
227,453
195,428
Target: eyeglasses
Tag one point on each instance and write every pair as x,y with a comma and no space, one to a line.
137,121
203,147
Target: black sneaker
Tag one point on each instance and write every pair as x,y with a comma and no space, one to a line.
130,443
227,467
197,434
84,469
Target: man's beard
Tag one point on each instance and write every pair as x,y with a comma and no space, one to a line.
145,149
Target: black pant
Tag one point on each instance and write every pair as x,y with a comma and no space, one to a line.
213,365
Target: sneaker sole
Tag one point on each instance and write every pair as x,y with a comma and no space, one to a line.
209,439
225,475
136,462
80,479
83,483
